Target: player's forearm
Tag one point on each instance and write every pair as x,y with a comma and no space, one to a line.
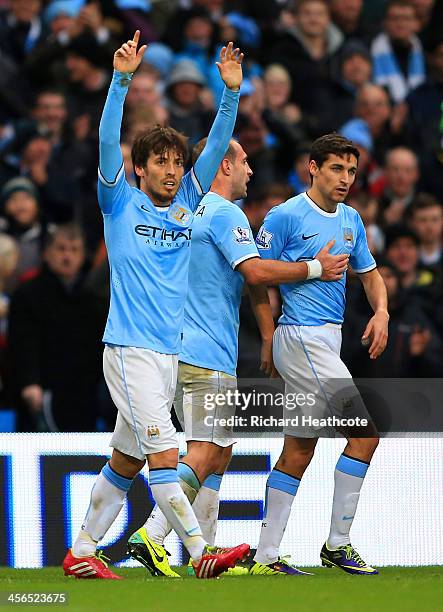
258,294
219,136
111,158
375,290
273,272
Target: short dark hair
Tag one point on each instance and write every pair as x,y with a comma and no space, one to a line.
70,231
156,140
297,4
401,3
421,202
201,144
331,144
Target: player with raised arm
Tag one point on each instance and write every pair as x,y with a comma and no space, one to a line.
223,256
307,352
148,233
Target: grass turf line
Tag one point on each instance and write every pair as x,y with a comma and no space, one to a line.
396,589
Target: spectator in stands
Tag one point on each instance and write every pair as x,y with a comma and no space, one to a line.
258,207
372,104
299,177
401,176
8,261
367,208
309,50
426,219
355,71
347,15
55,329
397,53
414,349
402,251
425,120
186,111
20,29
20,219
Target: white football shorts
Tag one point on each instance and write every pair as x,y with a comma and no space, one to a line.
142,386
200,407
308,360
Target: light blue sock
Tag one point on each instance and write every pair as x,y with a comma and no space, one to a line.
281,489
348,478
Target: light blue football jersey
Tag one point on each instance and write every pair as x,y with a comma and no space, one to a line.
296,231
221,239
148,247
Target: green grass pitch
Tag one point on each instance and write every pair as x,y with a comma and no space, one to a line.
395,589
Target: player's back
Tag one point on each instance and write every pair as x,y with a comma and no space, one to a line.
221,239
296,231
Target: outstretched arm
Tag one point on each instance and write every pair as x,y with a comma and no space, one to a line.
211,157
126,61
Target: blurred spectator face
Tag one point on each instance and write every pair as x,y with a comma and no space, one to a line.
127,162
22,207
199,30
241,172
277,85
313,18
366,207
428,224
301,167
356,70
38,150
391,281
25,10
78,67
143,91
436,61
401,23
65,256
373,106
346,10
51,110
61,23
423,9
403,254
213,6
252,135
186,94
401,171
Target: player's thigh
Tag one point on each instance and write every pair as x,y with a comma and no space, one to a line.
141,383
202,404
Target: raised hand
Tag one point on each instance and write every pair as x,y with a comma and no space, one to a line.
334,266
127,58
230,68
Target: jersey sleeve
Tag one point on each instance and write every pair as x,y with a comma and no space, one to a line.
190,190
271,239
231,232
207,164
361,258
112,188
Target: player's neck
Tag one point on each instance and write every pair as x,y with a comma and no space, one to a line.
317,198
222,190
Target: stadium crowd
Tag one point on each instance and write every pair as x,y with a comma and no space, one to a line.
371,70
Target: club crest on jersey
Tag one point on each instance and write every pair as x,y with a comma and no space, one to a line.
348,236
242,235
263,240
153,431
180,214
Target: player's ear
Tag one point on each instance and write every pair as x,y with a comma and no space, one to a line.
139,171
226,166
313,168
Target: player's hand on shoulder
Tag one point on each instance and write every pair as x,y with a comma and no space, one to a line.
334,266
127,58
230,66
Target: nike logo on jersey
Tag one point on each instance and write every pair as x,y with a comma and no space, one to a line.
307,237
